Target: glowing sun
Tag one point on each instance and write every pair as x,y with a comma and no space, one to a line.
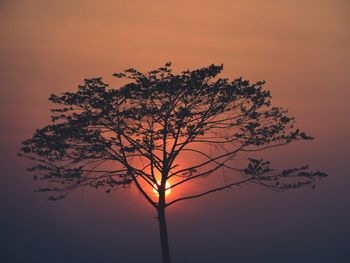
167,188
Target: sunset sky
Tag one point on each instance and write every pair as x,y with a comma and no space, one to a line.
300,48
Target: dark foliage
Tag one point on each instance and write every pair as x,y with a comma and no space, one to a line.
100,136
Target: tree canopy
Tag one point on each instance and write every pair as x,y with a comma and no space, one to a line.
108,138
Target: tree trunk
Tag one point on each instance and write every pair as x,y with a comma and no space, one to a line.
163,235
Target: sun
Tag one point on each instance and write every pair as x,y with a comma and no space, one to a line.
167,188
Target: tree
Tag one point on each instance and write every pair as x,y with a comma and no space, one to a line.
134,135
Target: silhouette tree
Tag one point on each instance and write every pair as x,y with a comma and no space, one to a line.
134,135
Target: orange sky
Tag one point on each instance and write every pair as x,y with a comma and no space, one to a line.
301,48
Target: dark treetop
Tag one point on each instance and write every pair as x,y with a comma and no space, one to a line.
111,137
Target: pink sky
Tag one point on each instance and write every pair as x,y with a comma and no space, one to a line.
301,49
